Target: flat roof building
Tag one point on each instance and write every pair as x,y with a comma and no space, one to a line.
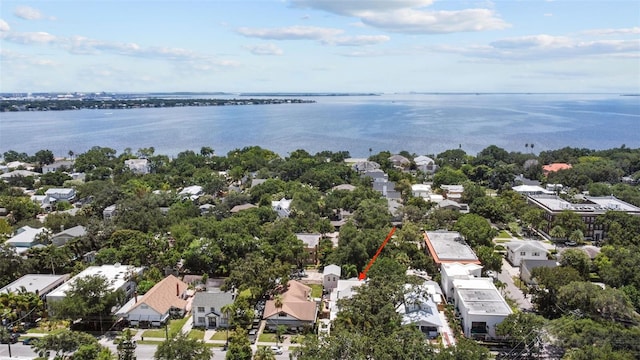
481,307
40,284
590,208
117,275
449,247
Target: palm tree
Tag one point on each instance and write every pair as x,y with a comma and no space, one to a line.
228,310
577,236
558,232
264,353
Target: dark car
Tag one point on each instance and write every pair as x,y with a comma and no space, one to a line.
29,341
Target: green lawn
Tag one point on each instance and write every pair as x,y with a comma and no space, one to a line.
196,334
220,335
316,290
503,234
174,327
267,337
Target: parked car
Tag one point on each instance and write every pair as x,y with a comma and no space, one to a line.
276,350
253,336
570,243
29,340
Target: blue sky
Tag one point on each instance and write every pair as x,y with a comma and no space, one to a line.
320,46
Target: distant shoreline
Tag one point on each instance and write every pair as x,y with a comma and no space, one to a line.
12,105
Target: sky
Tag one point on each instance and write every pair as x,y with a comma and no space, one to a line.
381,46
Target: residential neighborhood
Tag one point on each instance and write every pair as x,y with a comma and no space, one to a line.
251,253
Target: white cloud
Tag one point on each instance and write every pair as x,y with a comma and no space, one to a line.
532,41
290,33
435,22
29,37
361,40
410,16
29,13
548,14
544,47
612,32
353,8
264,49
4,26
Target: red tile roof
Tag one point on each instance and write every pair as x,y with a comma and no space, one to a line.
555,167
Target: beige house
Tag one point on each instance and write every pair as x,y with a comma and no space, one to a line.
166,299
297,310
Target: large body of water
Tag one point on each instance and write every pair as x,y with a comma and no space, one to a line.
418,123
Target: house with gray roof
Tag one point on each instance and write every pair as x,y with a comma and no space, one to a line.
527,266
207,308
64,236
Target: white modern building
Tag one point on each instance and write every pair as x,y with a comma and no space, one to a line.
40,284
117,275
481,307
456,271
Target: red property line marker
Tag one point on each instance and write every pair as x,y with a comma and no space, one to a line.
364,273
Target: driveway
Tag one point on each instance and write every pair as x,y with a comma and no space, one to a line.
511,290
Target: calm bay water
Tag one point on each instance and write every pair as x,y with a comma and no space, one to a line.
422,124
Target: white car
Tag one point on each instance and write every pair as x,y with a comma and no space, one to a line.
276,350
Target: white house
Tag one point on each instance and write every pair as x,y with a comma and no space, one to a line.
454,271
25,238
421,190
525,250
138,166
282,207
192,192
425,164
207,308
420,309
330,276
480,306
61,194
57,165
109,212
345,289
453,192
165,299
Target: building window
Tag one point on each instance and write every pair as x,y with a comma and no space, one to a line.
200,320
144,306
478,327
213,309
282,314
523,253
536,254
200,308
